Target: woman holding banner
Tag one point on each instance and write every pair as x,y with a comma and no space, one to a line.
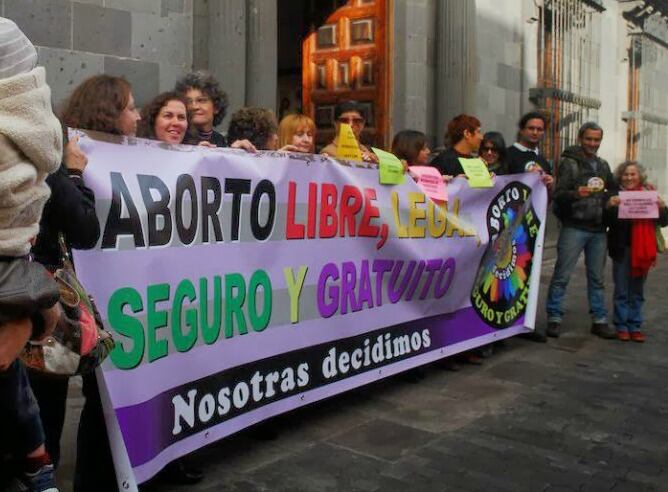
207,104
296,133
101,103
411,146
632,245
350,113
165,118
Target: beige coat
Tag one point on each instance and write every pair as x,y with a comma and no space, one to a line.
30,149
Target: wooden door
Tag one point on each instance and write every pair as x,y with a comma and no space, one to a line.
346,58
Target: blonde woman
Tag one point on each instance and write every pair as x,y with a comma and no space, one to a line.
296,133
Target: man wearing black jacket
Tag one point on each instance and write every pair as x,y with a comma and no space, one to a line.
584,184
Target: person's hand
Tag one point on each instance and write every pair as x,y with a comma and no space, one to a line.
13,337
206,144
613,201
73,156
584,191
547,180
243,144
447,178
369,157
404,163
661,203
289,148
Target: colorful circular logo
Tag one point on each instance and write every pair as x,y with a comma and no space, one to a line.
501,288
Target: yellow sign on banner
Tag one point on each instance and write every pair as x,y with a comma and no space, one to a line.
391,169
346,144
477,173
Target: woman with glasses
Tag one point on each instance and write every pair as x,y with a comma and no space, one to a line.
493,152
350,112
207,105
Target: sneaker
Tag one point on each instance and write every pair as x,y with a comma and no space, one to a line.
603,330
637,336
42,480
623,336
553,329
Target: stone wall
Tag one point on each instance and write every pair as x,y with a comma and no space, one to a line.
150,42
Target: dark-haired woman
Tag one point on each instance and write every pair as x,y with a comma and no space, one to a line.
256,125
101,103
165,118
411,146
207,104
494,152
632,247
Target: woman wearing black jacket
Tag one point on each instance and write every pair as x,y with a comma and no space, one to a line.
632,245
70,211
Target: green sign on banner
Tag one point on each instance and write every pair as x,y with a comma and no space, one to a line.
477,173
391,168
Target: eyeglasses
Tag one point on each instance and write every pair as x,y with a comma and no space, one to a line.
490,149
199,100
352,121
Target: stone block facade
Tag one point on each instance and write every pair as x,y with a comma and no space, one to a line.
150,42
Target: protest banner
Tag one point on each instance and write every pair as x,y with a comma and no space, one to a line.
241,286
638,204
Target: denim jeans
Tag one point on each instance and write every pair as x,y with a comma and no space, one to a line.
628,297
571,243
19,414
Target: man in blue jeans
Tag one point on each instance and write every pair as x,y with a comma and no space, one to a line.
584,183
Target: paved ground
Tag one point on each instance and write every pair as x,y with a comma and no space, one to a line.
579,413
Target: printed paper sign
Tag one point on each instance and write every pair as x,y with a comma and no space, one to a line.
638,205
346,144
429,179
477,173
390,168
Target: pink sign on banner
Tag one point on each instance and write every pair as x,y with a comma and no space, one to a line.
638,205
430,181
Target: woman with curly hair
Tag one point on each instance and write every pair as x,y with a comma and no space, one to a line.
207,105
256,125
165,118
632,245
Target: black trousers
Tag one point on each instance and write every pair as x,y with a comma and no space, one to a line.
51,395
95,467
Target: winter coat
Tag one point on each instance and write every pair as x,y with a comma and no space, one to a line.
576,170
30,149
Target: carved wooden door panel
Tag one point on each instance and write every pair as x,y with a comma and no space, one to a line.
346,58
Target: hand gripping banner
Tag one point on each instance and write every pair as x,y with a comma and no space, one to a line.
241,286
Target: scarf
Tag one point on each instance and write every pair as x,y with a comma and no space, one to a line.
643,245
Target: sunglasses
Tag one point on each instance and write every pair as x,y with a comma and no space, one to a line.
490,149
352,121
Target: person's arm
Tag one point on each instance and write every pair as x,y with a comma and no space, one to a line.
73,209
663,213
565,191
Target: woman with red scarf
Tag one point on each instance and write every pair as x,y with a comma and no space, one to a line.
632,245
